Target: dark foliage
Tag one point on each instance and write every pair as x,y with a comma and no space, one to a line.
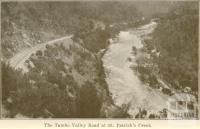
176,41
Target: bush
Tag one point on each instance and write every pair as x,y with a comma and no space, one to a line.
39,53
89,102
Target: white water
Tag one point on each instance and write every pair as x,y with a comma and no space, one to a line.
124,85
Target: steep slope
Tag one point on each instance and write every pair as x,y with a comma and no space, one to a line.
19,59
59,79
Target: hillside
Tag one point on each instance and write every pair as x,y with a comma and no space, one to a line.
68,73
171,54
25,24
97,59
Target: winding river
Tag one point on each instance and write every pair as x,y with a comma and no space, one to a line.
124,85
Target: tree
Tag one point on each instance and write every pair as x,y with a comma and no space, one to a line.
89,102
39,53
176,39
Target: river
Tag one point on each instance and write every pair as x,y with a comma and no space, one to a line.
124,85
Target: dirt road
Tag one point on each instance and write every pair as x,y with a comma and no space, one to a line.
18,60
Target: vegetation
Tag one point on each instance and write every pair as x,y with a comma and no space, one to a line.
24,23
34,96
89,102
50,90
173,49
68,80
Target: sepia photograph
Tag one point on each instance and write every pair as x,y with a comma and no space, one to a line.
134,60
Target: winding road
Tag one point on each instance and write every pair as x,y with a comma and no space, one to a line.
19,59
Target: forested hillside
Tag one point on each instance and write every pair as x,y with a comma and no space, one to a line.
25,24
57,85
173,49
66,79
